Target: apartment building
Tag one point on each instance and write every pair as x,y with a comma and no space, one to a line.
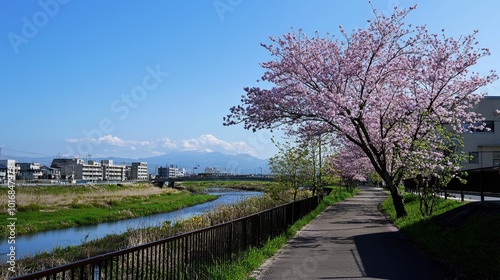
139,171
112,172
483,146
92,171
171,172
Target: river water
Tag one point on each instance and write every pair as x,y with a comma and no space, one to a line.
30,244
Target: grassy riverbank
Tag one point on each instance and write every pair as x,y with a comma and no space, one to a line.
53,207
134,237
201,186
465,244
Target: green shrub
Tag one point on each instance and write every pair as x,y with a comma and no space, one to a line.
32,207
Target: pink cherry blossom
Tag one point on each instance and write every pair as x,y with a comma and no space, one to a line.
383,89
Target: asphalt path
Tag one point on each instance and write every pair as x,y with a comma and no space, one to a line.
351,240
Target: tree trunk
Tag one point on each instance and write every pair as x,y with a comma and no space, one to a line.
397,200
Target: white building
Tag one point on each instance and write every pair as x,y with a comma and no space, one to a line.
8,171
90,171
112,172
483,146
171,172
139,171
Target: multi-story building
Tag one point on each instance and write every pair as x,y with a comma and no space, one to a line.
482,147
139,171
90,171
75,169
112,172
67,167
105,170
213,171
8,171
171,172
29,171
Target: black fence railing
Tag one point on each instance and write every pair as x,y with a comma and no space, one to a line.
186,256
480,181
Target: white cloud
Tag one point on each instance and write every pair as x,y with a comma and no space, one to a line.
113,141
209,143
169,144
204,143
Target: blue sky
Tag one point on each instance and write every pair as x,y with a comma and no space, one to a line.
144,78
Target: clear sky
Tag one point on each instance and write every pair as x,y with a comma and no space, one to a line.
144,78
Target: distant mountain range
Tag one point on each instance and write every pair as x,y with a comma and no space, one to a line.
191,161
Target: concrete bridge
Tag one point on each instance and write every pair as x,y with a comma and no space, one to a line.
160,181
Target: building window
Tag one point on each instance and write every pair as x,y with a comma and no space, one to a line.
488,126
473,157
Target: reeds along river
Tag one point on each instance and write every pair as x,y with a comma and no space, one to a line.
31,244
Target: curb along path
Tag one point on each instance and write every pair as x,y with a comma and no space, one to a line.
350,240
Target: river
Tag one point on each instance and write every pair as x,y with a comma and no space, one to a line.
30,244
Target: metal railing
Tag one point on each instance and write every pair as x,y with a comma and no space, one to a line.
186,256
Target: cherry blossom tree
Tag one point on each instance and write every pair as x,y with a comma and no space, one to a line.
351,164
382,88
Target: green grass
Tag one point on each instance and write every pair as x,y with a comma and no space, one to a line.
32,218
198,186
74,189
470,249
255,257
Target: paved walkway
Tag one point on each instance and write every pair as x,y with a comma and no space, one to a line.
351,240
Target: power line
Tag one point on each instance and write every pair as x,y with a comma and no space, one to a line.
24,152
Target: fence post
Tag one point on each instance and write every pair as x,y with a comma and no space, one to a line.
272,222
231,239
97,271
259,241
245,235
481,184
186,254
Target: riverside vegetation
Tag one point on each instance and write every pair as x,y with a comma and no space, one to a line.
467,246
134,237
44,208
